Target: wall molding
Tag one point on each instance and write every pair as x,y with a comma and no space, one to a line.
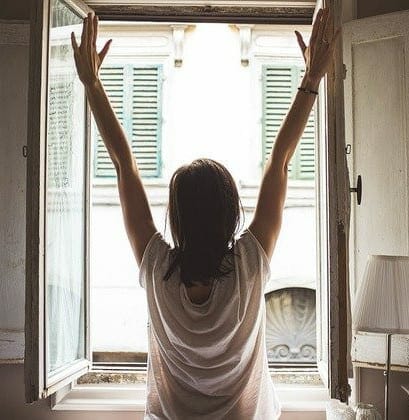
11,346
16,33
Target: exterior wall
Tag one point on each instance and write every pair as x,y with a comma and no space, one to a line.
212,107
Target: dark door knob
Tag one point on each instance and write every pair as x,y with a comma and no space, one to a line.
358,190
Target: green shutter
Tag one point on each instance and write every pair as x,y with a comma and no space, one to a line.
306,148
146,119
135,94
279,87
112,78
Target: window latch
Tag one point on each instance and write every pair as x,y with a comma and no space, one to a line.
357,190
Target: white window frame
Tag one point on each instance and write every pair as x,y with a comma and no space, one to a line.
35,315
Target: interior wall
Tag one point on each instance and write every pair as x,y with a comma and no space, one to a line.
371,381
365,8
15,10
13,94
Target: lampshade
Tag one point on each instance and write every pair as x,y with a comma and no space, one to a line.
382,301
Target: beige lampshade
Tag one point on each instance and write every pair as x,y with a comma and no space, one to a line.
382,301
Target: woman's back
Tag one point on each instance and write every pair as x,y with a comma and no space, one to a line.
207,355
199,293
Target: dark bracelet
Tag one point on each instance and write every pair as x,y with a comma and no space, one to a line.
307,90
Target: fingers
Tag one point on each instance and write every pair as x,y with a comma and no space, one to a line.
104,50
95,31
335,38
323,23
84,32
315,27
328,29
301,42
90,31
74,43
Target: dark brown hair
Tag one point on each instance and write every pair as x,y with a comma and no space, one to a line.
204,215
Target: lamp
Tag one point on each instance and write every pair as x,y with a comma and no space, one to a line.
382,303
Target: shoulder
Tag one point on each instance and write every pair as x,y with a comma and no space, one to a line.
155,257
251,255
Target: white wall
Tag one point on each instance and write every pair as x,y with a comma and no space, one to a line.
13,94
371,381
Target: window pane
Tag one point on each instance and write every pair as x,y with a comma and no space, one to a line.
65,192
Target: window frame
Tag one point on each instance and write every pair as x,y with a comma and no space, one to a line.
337,244
38,383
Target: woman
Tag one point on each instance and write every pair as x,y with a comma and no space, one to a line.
207,355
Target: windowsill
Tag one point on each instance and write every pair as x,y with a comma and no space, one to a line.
119,397
105,193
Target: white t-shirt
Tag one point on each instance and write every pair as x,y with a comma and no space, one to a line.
208,361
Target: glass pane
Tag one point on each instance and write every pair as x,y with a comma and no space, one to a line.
65,202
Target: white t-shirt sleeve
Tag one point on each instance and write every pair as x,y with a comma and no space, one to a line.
155,256
252,257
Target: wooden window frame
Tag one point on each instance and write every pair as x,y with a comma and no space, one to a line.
337,175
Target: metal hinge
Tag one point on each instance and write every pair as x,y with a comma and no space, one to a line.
344,71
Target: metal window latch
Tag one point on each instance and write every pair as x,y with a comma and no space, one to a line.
25,151
357,190
348,149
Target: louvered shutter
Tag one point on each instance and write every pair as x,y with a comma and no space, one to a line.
146,119
112,78
279,87
306,148
135,95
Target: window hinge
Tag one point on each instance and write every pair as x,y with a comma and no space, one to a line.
344,71
25,151
348,149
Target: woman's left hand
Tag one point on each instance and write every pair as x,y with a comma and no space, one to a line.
87,59
318,54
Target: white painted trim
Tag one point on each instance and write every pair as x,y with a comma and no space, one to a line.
369,350
11,346
14,33
219,3
108,397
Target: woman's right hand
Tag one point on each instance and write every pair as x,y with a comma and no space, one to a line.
318,54
87,59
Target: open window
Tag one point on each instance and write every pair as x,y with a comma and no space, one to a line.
57,334
60,173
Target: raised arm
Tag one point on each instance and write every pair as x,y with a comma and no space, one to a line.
135,208
266,223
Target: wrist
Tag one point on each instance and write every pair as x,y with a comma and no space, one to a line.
93,85
310,82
